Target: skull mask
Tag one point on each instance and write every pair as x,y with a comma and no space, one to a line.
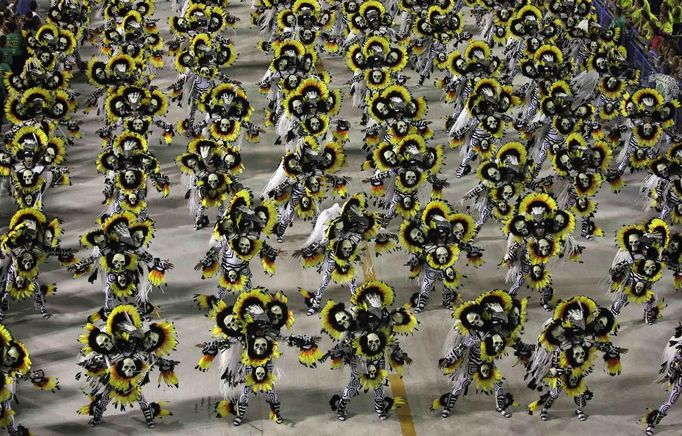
410,179
647,129
213,181
259,374
343,319
297,107
129,177
497,343
346,249
122,280
507,192
27,177
458,231
244,245
583,180
11,356
372,372
579,354
494,173
118,261
260,346
650,267
231,323
544,247
138,125
474,319
129,367
151,340
315,125
103,340
373,342
390,157
314,184
276,315
27,261
417,236
49,155
442,255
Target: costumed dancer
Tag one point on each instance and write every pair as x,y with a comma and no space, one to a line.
503,178
567,346
434,239
304,179
29,241
671,372
247,341
639,264
15,366
538,232
118,358
365,335
336,244
238,237
119,252
483,331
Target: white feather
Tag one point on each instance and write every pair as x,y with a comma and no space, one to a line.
373,300
276,179
284,125
323,220
621,256
669,356
540,364
624,152
583,85
571,247
463,121
230,361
